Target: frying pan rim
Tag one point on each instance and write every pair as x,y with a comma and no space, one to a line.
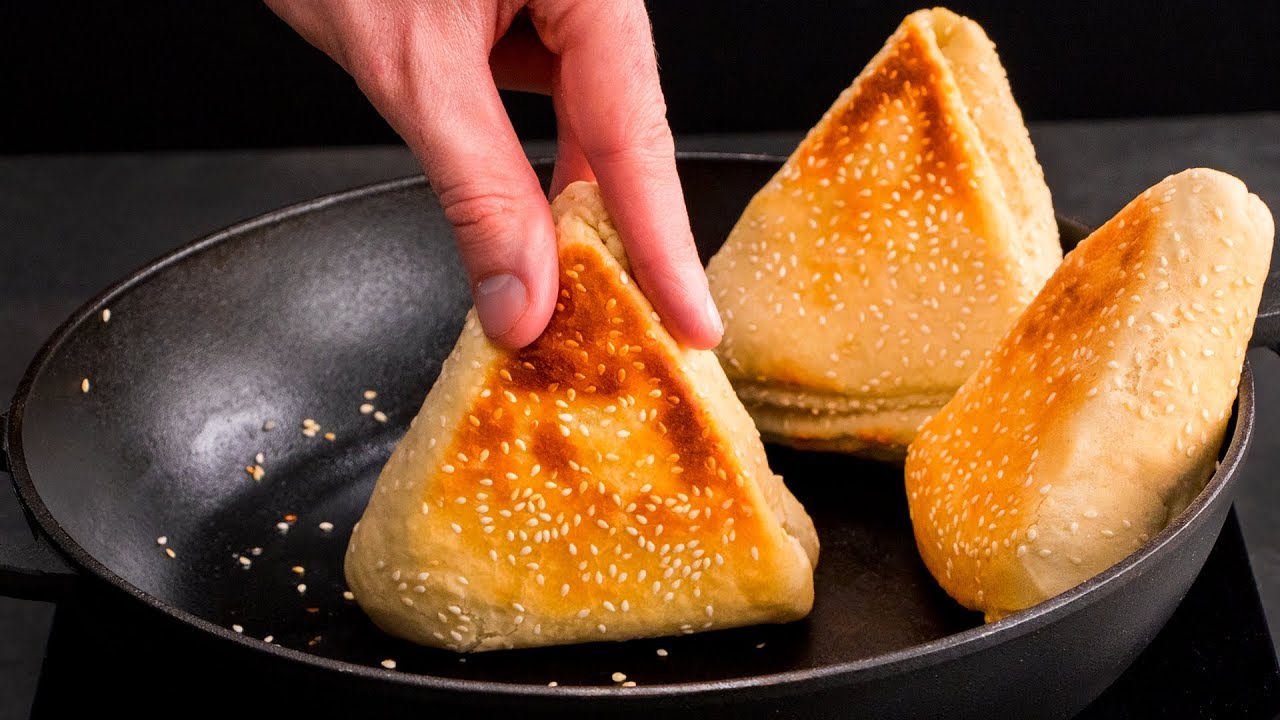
789,682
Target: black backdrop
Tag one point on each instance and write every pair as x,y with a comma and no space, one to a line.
95,75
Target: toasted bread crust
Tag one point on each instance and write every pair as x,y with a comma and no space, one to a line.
601,483
897,243
1099,416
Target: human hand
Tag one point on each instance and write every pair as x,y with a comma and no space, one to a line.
433,69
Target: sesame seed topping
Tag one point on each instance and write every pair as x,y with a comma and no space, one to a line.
162,540
106,315
389,664
84,385
380,416
619,677
169,551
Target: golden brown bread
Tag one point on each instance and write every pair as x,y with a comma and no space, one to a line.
1099,416
602,483
904,235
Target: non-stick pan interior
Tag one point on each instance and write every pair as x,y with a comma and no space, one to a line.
293,318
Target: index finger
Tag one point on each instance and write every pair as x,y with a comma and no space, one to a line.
608,91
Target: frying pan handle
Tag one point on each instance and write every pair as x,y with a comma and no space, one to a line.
30,568
1266,331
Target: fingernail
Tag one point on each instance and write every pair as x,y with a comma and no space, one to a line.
713,314
501,301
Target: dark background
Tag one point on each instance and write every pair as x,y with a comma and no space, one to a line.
150,74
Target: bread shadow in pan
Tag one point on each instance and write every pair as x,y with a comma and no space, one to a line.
873,594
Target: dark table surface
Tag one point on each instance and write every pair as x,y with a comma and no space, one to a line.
69,225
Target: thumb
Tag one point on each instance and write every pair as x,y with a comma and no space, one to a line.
492,198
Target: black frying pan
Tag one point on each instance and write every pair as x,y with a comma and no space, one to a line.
293,315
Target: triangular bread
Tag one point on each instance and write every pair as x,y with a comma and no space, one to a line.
1100,415
904,235
603,483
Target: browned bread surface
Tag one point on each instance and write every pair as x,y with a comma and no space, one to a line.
903,236
1099,416
602,483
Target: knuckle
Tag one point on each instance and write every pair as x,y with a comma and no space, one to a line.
478,215
646,143
467,208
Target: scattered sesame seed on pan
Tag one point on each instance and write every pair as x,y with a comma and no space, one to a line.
619,677
269,638
170,553
629,683
255,471
380,416
238,628
298,569
366,408
330,436
326,526
370,394
162,540
760,646
389,664
268,426
289,518
245,562
553,683
84,385
106,315
282,526
662,652
302,588
260,458
255,551
348,595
